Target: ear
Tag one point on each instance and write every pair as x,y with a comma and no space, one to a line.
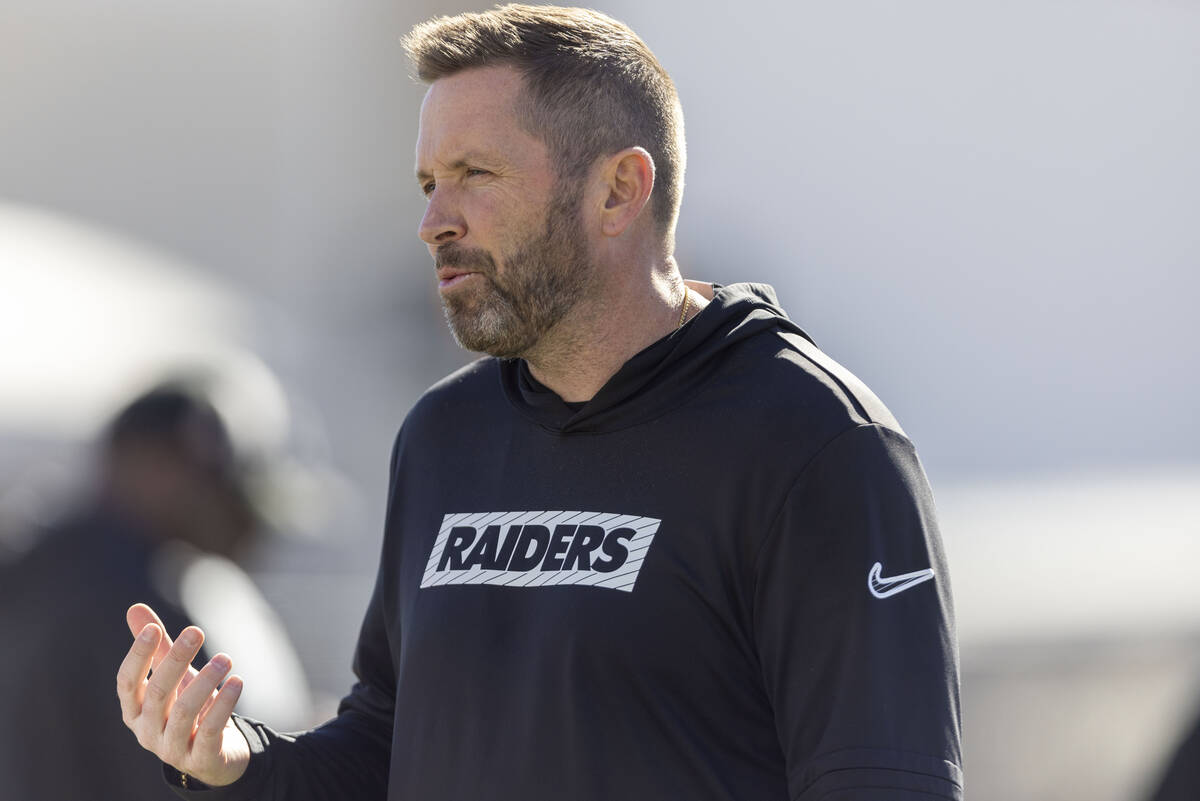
629,178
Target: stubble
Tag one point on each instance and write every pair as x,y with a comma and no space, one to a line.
546,276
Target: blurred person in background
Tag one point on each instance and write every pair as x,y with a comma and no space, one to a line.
1181,778
168,490
753,602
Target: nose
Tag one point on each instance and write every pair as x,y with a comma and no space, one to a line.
443,222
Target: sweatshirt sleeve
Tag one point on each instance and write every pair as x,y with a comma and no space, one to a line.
347,757
855,634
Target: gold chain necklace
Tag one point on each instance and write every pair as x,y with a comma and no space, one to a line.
687,302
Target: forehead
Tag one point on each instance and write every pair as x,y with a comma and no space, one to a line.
471,111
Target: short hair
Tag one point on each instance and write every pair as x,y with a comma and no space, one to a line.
591,86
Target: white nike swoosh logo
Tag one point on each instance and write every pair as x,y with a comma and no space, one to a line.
882,587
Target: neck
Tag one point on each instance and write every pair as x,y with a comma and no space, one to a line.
596,338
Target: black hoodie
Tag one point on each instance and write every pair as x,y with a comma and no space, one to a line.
720,578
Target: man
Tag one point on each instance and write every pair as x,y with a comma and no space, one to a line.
166,490
658,547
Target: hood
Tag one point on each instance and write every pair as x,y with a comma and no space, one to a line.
660,377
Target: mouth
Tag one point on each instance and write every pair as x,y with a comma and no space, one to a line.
448,277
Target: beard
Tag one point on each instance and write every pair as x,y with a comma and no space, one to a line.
546,275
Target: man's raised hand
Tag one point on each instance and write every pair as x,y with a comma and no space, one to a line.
178,713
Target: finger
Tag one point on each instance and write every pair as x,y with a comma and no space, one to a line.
163,686
137,617
207,704
209,733
187,678
131,675
212,700
185,713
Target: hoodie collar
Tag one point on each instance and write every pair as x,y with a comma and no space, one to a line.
661,376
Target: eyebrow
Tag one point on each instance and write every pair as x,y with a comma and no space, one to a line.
469,158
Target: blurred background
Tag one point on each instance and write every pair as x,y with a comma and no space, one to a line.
990,213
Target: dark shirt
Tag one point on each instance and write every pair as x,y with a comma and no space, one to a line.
62,620
674,591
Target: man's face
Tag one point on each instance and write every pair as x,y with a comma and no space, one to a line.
505,234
